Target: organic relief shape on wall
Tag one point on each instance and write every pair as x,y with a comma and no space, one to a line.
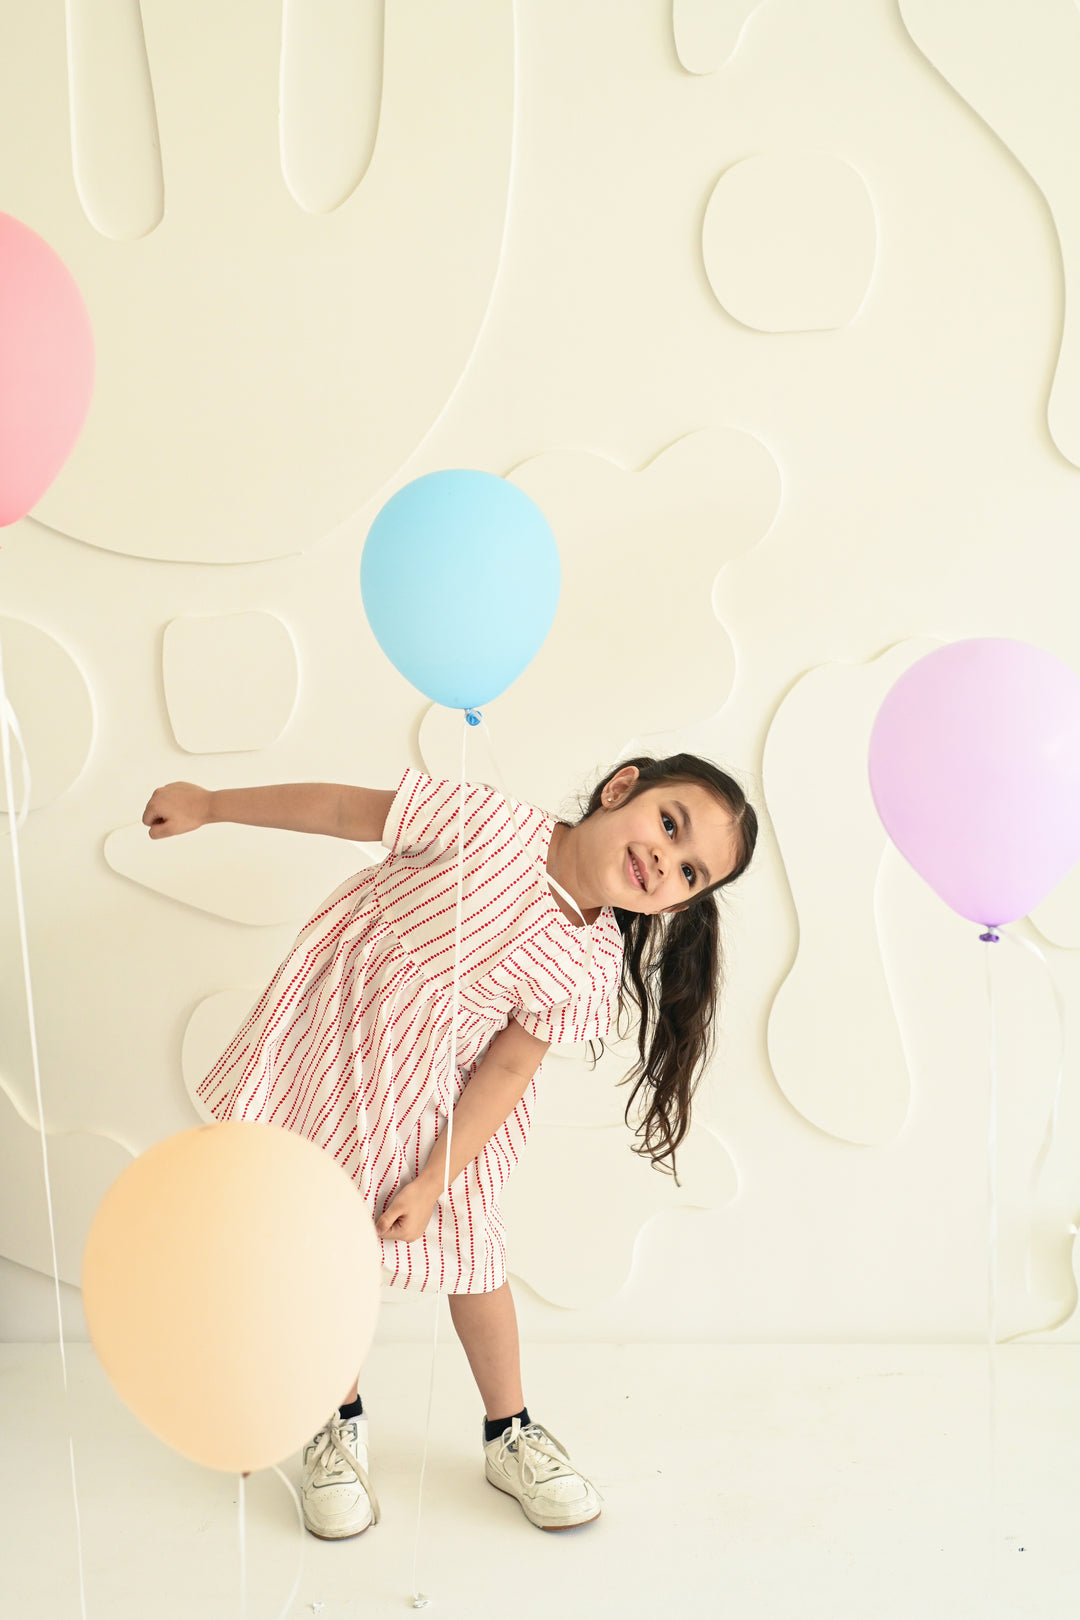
834,1040
263,371
331,90
1058,916
789,242
115,150
579,1251
230,680
211,1027
636,646
577,1092
52,703
1018,67
82,1167
254,875
1066,1330
707,32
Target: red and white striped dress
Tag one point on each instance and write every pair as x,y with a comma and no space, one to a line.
349,1045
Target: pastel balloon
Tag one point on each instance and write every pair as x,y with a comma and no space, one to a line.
47,372
231,1286
460,581
975,771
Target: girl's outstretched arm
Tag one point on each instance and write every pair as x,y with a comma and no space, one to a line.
316,807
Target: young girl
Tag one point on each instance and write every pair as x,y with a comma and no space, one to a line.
350,1043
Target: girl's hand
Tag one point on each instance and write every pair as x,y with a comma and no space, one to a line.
407,1214
176,808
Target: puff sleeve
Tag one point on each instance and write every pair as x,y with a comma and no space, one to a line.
424,814
589,1014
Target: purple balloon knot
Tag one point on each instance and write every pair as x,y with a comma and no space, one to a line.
990,937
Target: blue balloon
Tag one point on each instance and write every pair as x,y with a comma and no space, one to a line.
460,582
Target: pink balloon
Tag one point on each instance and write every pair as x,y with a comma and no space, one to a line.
46,366
975,772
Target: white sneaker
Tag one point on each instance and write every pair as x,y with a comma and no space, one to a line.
336,1495
532,1465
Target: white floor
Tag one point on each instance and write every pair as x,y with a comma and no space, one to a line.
757,1482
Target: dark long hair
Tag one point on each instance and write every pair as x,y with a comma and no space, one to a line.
673,967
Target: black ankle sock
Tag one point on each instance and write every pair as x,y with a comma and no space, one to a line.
352,1408
493,1428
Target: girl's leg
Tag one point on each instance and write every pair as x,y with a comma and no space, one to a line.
487,1327
354,1392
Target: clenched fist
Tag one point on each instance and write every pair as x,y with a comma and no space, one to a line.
176,808
406,1216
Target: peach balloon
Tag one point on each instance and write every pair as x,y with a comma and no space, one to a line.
47,372
231,1288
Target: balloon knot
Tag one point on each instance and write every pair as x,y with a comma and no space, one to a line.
473,716
990,937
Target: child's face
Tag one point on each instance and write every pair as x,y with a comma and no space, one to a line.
661,848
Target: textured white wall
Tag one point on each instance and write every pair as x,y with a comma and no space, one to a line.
764,304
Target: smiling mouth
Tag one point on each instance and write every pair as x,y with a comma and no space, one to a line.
638,873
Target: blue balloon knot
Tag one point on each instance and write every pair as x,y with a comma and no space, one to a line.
473,716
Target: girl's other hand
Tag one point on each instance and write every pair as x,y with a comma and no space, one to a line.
176,808
406,1216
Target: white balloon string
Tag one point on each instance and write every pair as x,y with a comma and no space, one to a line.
287,1609
419,1601
1051,1124
13,723
14,823
583,982
78,1515
243,1556
992,1286
243,1547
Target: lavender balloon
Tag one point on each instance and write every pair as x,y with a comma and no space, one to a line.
975,772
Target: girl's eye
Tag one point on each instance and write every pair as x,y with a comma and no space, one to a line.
669,823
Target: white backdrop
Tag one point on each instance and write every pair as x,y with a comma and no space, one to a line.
765,304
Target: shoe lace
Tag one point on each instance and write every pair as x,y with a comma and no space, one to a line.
335,1459
531,1448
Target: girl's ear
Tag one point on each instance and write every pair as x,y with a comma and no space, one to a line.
619,785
